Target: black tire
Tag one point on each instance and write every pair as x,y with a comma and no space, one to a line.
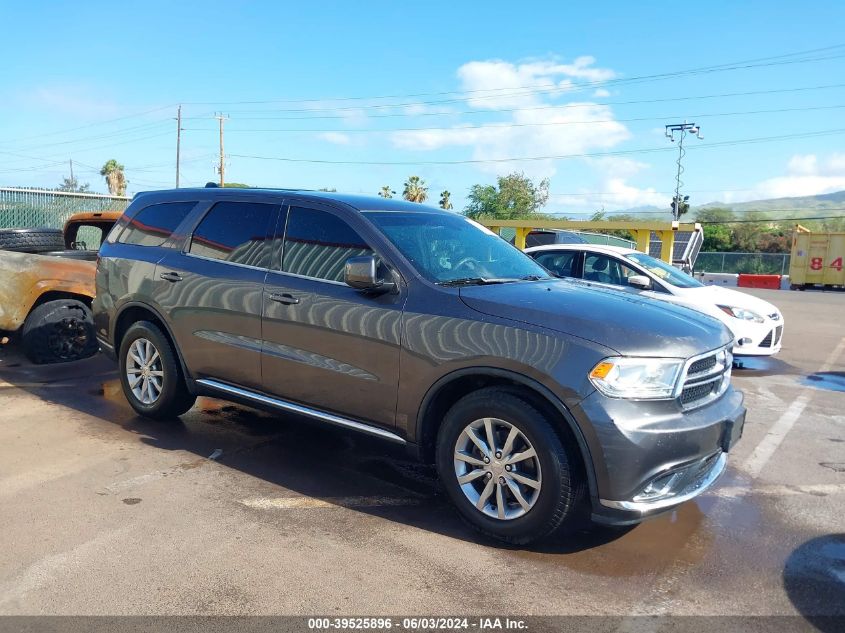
174,398
31,240
562,491
58,332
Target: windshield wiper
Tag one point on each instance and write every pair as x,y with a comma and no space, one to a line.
532,278
475,281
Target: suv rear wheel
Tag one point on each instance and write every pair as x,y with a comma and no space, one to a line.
505,468
150,374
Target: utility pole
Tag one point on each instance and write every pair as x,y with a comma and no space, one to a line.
178,140
681,130
222,168
71,173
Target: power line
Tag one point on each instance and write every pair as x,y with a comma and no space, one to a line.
87,125
461,128
750,63
154,124
529,108
646,150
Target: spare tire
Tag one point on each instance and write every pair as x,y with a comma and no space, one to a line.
31,240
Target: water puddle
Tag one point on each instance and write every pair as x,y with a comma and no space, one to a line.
751,366
829,380
814,578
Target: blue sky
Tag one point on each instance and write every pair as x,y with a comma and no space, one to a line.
355,82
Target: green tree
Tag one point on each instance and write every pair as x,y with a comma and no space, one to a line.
115,178
746,234
514,196
386,192
445,200
236,185
72,185
415,190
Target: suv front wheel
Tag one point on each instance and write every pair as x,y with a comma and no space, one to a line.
505,468
150,373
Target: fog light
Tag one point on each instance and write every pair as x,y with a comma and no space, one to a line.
660,487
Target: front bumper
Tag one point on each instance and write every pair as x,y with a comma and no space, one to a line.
758,339
651,456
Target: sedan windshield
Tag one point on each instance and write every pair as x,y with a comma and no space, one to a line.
451,249
664,272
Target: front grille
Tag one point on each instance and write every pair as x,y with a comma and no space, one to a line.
767,342
697,392
706,378
778,334
702,365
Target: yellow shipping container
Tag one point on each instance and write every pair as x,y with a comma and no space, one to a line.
817,258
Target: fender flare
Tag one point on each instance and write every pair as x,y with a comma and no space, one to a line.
146,306
526,381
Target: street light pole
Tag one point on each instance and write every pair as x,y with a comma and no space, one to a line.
681,130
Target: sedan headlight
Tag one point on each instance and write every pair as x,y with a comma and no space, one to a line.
641,378
742,313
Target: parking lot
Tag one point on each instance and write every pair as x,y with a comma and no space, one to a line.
235,511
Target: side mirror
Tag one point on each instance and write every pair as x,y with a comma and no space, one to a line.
640,282
361,273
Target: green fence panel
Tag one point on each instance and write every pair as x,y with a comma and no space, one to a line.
30,208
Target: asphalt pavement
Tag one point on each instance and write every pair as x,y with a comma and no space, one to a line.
236,511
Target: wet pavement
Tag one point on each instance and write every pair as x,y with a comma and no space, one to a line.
232,510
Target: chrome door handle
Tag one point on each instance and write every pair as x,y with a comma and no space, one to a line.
171,276
284,297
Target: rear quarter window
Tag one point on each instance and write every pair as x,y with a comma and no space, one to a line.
152,225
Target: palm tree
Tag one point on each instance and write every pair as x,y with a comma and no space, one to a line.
386,192
415,190
115,178
445,202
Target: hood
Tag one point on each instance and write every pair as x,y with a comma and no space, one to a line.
625,323
719,295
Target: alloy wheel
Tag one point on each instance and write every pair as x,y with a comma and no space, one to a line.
144,371
497,468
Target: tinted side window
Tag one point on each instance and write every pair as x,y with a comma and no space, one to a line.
561,264
235,232
152,225
317,244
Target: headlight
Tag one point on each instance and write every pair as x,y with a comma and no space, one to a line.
742,313
643,378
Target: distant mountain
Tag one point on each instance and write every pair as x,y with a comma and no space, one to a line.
797,207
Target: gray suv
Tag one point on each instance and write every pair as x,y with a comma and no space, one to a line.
539,400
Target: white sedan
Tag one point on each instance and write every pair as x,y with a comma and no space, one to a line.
756,324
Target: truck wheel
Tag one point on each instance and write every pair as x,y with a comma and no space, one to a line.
31,240
506,469
150,374
59,331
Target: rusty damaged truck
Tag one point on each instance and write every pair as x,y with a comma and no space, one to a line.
47,284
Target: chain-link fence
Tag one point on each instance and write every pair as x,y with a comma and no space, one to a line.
29,208
754,263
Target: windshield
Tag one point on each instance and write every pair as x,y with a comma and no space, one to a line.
664,272
448,248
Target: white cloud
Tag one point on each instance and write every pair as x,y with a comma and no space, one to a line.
552,129
612,190
601,93
497,84
806,175
336,138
